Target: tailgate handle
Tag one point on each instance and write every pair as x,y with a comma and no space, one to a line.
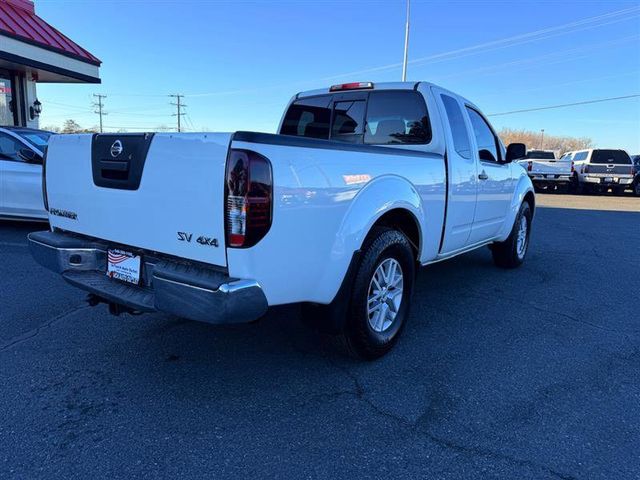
116,166
112,170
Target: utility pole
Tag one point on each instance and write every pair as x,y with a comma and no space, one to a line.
542,139
179,106
406,43
100,107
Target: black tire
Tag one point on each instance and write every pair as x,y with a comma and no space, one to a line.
506,254
636,189
360,336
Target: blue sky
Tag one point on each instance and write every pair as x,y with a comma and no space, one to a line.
239,62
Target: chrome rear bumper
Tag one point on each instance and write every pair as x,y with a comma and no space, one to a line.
189,290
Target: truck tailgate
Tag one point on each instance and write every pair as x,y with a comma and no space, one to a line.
161,192
548,167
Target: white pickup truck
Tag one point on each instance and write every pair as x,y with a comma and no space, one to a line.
598,170
546,172
363,184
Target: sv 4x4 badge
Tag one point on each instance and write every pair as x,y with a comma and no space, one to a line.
202,240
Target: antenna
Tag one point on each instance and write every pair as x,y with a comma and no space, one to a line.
406,43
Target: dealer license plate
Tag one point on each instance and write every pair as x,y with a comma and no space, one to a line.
123,266
608,179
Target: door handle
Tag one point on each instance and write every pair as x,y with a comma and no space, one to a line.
483,175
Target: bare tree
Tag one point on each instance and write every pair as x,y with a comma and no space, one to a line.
533,140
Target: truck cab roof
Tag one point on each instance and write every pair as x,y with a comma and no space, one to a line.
375,86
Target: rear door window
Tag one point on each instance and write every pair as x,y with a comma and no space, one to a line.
619,157
397,117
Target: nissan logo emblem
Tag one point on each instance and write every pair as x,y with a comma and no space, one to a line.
116,148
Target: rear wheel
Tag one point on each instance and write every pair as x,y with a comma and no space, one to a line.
381,294
512,252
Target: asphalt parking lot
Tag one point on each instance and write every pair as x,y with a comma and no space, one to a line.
533,373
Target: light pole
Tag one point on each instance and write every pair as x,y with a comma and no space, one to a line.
542,139
406,43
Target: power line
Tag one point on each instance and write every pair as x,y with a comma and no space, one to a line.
99,105
179,106
549,107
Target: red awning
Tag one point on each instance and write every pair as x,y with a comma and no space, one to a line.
18,20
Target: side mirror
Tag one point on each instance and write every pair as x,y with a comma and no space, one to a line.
29,156
515,151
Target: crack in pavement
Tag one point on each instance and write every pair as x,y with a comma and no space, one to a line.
36,331
360,394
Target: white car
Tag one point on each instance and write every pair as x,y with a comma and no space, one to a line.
21,153
363,184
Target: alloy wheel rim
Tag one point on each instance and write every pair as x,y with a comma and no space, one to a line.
521,244
385,295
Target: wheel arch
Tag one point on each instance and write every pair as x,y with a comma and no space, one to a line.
523,192
389,200
403,220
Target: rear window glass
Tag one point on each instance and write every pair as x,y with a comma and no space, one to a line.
580,156
619,157
392,117
348,121
397,117
308,117
540,155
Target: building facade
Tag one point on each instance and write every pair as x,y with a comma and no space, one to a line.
32,52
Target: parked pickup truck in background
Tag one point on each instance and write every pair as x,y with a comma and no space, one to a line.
599,170
546,172
363,184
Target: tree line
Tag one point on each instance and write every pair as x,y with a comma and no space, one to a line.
539,141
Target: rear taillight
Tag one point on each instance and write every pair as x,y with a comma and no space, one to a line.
248,198
573,167
44,182
585,169
529,166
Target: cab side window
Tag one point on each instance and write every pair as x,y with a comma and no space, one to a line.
580,156
458,126
9,148
488,146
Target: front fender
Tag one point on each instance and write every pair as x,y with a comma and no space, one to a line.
523,186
